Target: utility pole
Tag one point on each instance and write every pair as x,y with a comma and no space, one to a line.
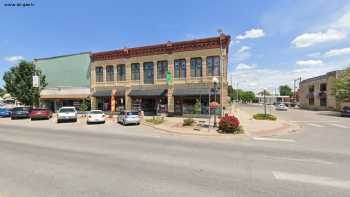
294,89
265,102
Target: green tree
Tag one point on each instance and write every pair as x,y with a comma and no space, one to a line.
248,96
19,83
285,90
341,86
84,105
2,92
233,93
197,107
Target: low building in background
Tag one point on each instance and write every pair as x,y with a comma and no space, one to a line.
273,99
68,79
316,93
167,78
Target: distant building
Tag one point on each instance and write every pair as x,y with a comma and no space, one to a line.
68,79
316,93
273,99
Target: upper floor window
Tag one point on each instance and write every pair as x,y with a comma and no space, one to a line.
196,67
323,87
135,71
110,73
213,64
180,68
162,69
121,72
99,74
311,88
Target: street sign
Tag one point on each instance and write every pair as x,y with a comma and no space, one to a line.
36,83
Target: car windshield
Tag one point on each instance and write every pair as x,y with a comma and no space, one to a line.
66,110
21,109
96,112
346,108
132,113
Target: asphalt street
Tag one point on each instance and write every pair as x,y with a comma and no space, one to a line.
112,160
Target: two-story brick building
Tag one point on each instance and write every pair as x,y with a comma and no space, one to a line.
139,77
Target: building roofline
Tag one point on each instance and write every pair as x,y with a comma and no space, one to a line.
321,76
164,48
60,56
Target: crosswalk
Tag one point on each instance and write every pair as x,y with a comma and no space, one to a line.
327,125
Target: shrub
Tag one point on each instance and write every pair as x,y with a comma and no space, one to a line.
230,124
156,120
197,107
188,122
264,117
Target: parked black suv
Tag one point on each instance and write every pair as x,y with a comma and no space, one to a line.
20,112
345,111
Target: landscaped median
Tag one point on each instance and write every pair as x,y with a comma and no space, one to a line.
242,124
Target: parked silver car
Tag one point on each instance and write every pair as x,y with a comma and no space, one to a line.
282,107
129,117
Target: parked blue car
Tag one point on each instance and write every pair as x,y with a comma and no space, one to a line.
5,112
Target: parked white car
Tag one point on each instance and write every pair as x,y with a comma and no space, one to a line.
67,114
129,117
95,116
282,107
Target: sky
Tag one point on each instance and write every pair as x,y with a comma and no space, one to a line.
273,41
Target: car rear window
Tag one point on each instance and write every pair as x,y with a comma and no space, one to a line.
132,113
39,109
96,112
66,110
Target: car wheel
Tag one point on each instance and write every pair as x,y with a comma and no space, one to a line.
75,120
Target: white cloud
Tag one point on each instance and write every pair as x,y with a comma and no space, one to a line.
309,39
242,66
336,52
309,63
243,49
343,22
14,59
315,54
256,79
253,33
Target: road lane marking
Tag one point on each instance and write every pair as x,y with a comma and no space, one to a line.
316,161
317,180
273,139
340,126
315,125
310,121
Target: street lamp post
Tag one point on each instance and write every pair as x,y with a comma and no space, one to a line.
221,34
265,102
215,82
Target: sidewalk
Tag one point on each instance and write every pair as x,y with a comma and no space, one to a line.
252,128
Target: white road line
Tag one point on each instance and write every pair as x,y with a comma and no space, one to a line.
316,161
317,180
315,125
273,139
310,121
340,126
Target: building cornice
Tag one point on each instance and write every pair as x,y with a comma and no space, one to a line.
166,48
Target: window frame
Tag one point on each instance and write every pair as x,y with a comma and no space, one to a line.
197,68
181,69
109,74
133,73
121,76
211,67
99,76
162,69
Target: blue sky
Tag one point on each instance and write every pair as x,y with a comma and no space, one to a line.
273,42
